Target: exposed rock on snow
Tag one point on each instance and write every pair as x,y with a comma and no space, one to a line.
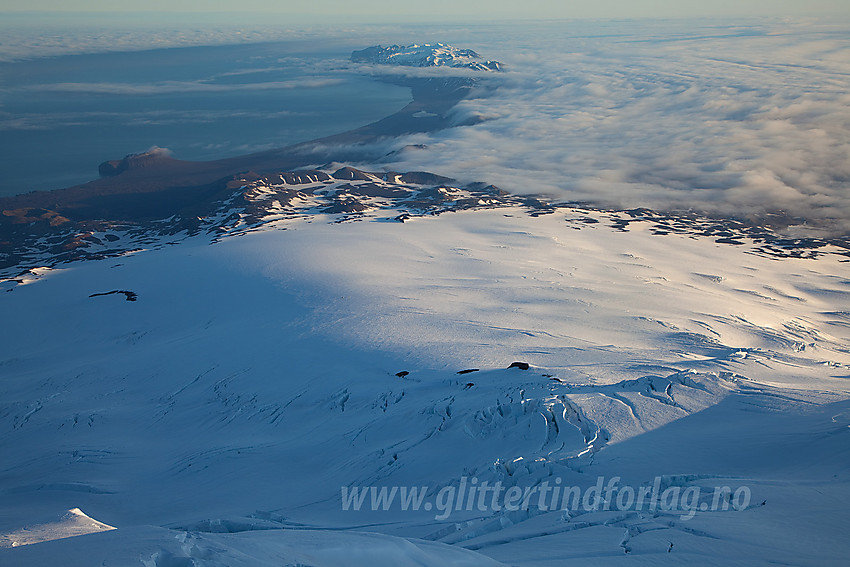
129,295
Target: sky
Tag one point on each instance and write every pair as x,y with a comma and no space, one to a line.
436,9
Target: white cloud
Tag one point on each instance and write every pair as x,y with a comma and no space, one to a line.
48,38
738,121
48,121
166,87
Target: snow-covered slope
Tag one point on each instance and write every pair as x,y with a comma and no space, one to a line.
72,523
426,55
276,358
248,201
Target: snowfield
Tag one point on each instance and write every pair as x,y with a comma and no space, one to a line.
427,55
228,413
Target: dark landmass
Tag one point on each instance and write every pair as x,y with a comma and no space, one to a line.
154,185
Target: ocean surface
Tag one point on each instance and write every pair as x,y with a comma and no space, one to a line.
62,116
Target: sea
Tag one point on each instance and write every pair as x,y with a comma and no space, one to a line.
61,116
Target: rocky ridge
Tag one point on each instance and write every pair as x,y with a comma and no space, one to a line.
252,201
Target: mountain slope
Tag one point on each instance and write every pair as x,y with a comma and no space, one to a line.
264,368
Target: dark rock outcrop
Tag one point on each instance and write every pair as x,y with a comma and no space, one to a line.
129,295
349,173
152,157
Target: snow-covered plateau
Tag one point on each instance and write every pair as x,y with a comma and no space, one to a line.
266,384
426,55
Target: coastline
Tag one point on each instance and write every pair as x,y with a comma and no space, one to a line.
163,173
152,186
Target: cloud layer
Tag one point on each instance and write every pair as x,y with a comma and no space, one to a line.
730,120
171,87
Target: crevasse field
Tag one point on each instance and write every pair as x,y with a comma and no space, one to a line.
322,389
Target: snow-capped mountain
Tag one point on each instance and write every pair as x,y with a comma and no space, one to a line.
312,333
249,201
426,55
215,397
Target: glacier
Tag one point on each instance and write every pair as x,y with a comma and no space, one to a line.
304,349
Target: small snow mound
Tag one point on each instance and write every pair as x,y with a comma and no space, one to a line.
72,523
